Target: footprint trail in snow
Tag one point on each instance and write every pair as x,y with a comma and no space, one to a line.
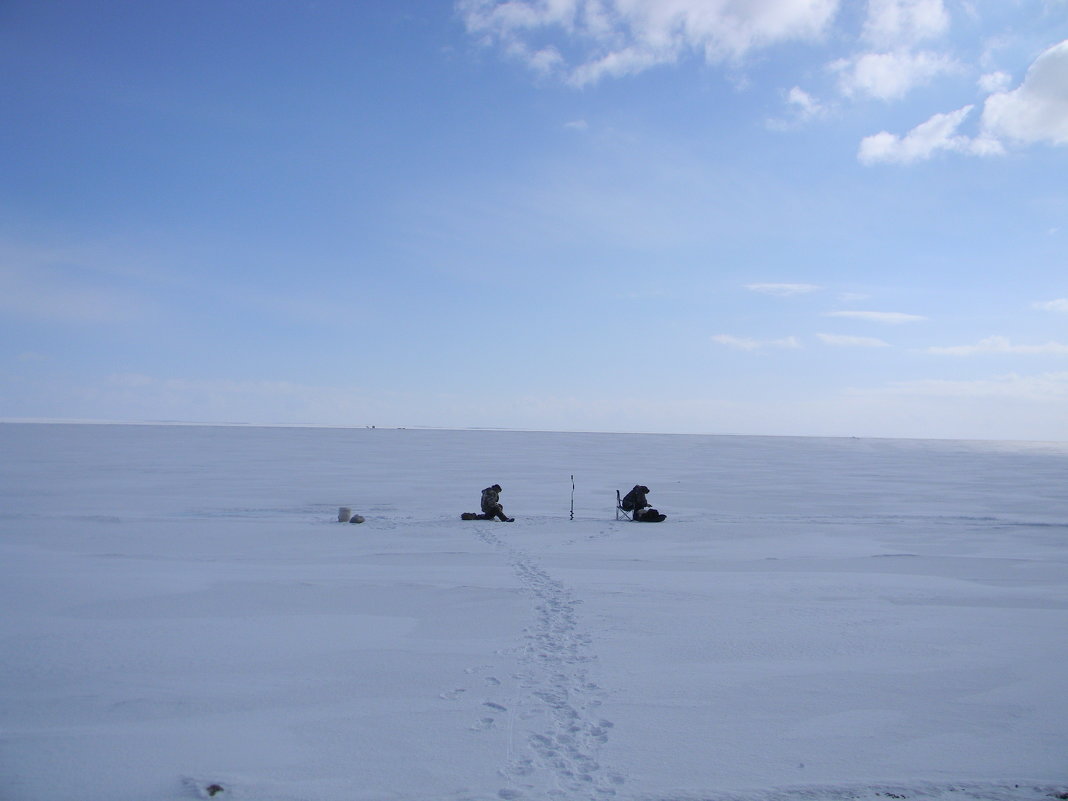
561,757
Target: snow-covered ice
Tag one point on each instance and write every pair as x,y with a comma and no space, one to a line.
816,619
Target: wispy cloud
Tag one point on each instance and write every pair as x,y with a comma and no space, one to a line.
33,356
1059,305
745,343
904,22
613,38
804,105
891,318
51,291
852,342
1046,387
995,82
939,133
783,290
893,66
889,76
643,293
998,344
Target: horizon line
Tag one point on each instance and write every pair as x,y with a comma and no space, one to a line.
503,429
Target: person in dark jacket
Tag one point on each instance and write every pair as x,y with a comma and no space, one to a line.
491,505
637,504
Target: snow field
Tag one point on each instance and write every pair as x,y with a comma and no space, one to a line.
817,619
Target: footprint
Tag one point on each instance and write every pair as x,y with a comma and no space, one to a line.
452,695
483,724
552,674
522,767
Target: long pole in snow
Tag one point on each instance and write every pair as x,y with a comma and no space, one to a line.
572,496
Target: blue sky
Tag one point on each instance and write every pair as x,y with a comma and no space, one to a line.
779,217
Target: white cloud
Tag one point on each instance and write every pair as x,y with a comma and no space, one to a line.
1036,111
805,104
896,22
544,61
783,290
893,67
614,38
995,82
852,342
620,63
922,142
1059,305
889,76
801,108
1003,345
745,343
577,125
892,318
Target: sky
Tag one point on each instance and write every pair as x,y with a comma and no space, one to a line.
782,217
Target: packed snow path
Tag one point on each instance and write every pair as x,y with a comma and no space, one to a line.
559,691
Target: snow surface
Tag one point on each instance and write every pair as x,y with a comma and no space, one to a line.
817,619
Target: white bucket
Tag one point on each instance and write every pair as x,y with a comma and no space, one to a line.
344,514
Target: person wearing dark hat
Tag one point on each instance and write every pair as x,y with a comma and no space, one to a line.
491,505
637,504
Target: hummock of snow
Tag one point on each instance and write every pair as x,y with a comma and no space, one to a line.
816,619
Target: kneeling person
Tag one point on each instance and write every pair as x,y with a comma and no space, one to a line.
491,506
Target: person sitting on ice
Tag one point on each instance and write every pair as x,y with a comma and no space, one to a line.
491,505
637,504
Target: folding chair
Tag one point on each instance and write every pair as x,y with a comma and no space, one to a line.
621,513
